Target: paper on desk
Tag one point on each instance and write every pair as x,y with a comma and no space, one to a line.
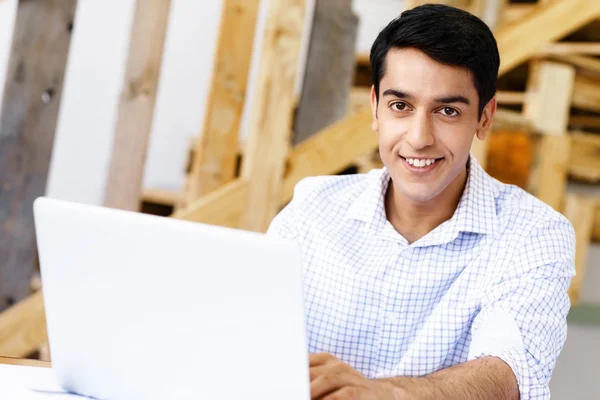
31,383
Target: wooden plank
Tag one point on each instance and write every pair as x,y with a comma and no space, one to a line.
596,228
24,362
136,105
586,94
508,97
23,327
580,211
330,68
159,196
515,12
214,161
555,155
590,64
509,119
27,126
271,124
329,151
585,156
546,23
584,121
550,92
223,206
571,48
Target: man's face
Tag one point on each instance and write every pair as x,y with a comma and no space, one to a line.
426,118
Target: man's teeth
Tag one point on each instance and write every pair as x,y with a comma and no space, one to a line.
420,162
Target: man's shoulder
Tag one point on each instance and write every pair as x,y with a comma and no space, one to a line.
331,190
519,208
533,223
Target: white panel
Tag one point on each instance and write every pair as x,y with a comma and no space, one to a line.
87,117
374,16
8,14
185,81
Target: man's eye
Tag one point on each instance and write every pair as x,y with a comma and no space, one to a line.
449,111
399,106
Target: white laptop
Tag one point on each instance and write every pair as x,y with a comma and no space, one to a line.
147,307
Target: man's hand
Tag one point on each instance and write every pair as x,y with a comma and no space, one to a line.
332,379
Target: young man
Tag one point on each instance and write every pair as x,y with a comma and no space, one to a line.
428,278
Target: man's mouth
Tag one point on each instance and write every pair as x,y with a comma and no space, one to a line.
421,164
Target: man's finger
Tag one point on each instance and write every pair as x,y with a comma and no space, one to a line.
325,384
320,358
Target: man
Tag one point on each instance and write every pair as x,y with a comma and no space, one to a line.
428,278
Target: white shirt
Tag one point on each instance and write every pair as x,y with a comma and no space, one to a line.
490,281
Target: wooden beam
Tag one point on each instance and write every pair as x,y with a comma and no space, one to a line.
585,156
159,196
585,121
507,97
548,102
570,48
545,24
596,228
590,64
329,151
515,12
554,158
270,128
359,100
509,119
223,206
25,362
586,94
580,211
214,161
23,327
550,92
136,105
330,68
31,102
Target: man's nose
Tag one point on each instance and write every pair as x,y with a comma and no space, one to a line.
420,134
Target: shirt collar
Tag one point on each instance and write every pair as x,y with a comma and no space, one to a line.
476,210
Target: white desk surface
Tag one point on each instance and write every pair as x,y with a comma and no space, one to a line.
31,383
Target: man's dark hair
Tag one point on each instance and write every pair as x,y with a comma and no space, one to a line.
449,36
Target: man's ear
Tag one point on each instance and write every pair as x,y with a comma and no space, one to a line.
374,101
485,123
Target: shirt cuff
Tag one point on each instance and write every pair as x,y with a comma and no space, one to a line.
529,388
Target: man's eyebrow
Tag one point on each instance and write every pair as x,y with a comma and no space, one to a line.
453,99
444,99
399,93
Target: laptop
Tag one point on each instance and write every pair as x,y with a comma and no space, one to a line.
148,307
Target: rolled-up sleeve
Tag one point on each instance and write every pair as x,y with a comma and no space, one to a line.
523,316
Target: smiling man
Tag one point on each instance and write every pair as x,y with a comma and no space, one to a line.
428,278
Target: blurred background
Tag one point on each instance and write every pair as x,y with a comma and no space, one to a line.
211,111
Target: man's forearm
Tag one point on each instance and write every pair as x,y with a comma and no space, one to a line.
487,378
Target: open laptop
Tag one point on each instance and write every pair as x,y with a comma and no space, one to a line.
147,307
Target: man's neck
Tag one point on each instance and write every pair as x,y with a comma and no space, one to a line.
412,219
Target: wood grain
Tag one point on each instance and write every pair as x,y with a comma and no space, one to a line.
215,156
544,24
25,362
580,211
136,105
273,112
27,126
23,327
